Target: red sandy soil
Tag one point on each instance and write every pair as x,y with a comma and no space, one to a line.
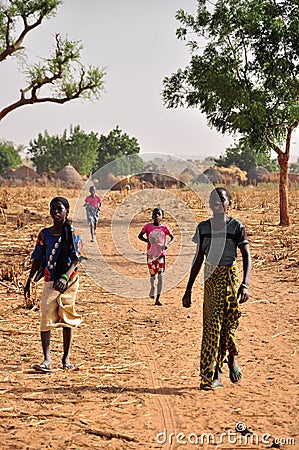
136,364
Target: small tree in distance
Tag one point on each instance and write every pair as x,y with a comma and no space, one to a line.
245,157
57,79
9,157
116,145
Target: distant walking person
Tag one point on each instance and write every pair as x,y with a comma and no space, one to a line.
156,233
217,241
93,205
127,189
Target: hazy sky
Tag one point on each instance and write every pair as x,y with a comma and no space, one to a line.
135,41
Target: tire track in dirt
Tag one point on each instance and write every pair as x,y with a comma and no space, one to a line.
166,411
167,414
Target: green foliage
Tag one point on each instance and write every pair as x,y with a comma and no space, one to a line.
119,145
9,157
54,152
245,76
246,157
85,152
31,12
59,78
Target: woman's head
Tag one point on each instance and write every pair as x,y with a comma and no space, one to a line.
220,200
59,208
157,215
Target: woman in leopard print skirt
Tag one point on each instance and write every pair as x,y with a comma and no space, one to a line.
217,241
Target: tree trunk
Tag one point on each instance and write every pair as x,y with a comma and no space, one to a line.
283,161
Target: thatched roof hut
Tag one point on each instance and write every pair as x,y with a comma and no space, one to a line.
22,173
233,174
259,175
187,175
211,175
189,171
69,177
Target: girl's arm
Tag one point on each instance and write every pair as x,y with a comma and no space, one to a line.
142,238
60,284
34,267
72,266
196,266
244,287
171,236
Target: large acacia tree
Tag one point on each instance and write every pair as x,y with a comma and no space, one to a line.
243,73
58,78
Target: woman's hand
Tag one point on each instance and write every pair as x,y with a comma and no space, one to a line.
27,289
60,285
186,300
243,294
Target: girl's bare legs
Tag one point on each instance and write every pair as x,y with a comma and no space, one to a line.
235,373
46,338
67,340
152,291
217,375
92,232
159,289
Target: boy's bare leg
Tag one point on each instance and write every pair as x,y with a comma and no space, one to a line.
92,231
67,340
159,289
152,291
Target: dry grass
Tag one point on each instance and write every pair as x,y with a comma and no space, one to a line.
24,211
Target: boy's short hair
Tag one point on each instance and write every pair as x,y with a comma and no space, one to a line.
222,189
158,209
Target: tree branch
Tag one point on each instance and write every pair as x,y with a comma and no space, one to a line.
35,99
62,70
274,146
12,47
290,130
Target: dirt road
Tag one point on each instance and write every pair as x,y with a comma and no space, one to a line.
136,380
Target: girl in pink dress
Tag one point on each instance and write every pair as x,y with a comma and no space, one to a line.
93,205
156,233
